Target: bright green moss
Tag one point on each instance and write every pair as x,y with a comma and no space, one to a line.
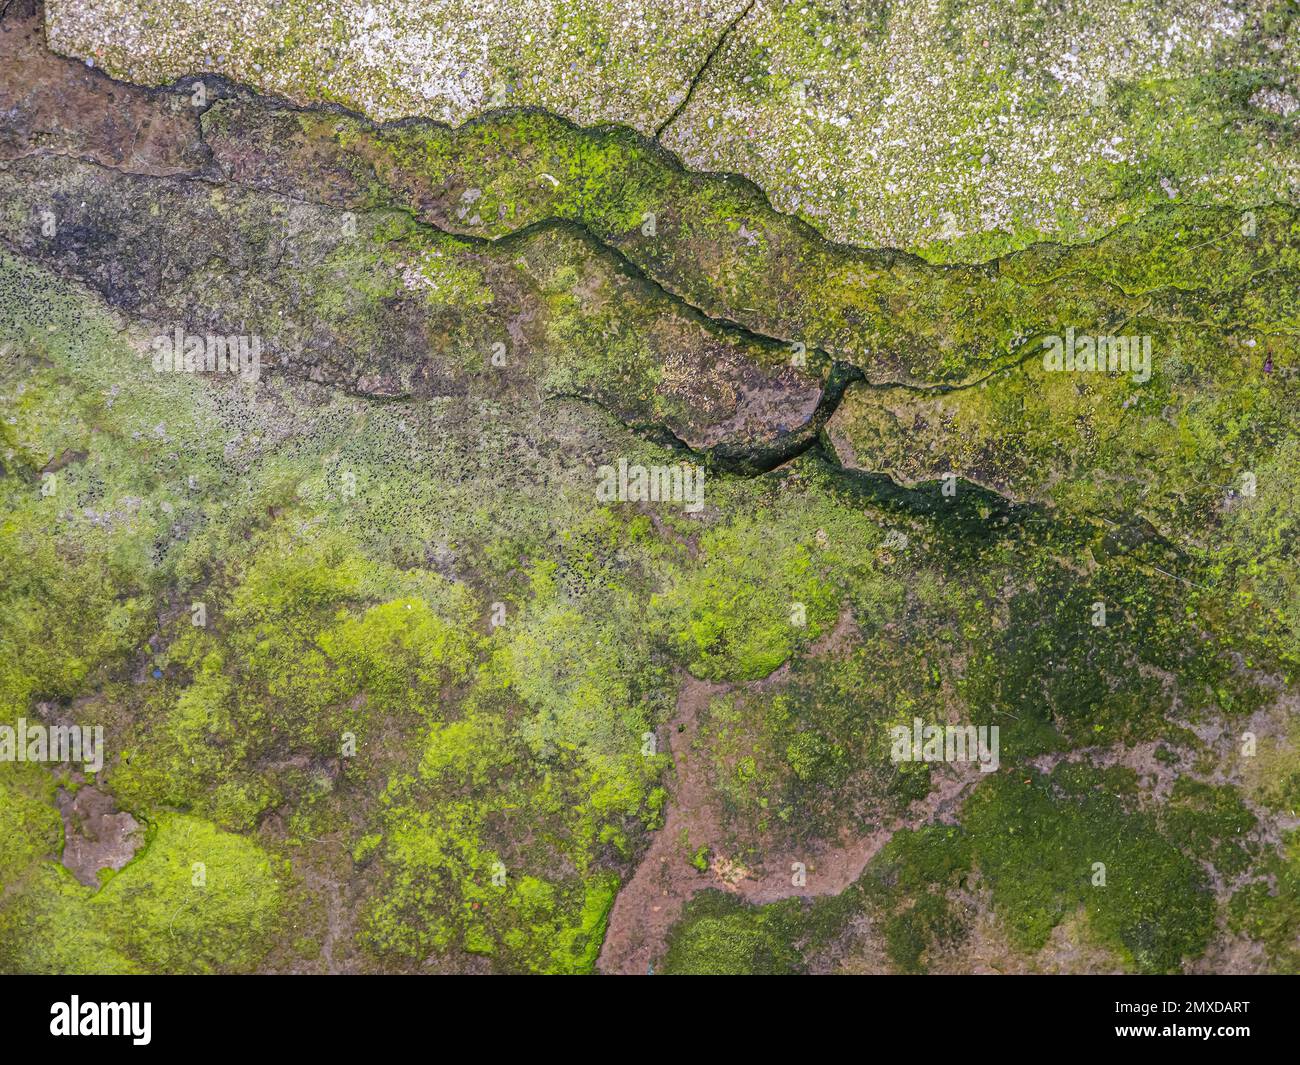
540,769
29,823
907,885
756,594
195,900
452,882
579,946
809,759
54,928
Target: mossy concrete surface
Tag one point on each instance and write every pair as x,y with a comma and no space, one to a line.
958,129
391,679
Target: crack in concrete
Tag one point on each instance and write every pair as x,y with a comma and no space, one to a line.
704,68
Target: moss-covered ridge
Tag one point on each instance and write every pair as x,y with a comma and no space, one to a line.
1196,284
716,241
385,306
712,240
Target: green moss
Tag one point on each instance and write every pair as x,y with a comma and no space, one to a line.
1272,772
494,847
907,885
1037,846
720,935
719,244
810,759
1210,822
53,928
195,900
755,596
292,649
579,946
1268,909
446,885
352,555
30,824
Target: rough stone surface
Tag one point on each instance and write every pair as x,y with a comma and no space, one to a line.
958,129
97,835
